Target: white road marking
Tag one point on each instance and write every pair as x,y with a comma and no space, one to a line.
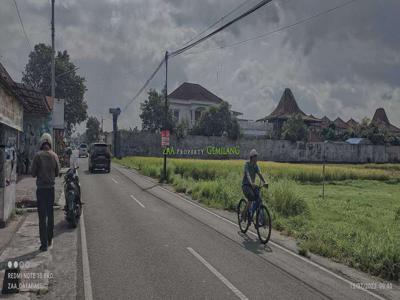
138,202
221,277
276,245
87,283
114,180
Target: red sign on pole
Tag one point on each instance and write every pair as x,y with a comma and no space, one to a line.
164,138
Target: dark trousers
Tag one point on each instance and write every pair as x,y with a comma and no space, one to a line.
45,202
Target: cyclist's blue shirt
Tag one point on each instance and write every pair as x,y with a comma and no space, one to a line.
252,169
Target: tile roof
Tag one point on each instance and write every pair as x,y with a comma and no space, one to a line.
33,100
6,80
339,123
352,123
325,119
194,91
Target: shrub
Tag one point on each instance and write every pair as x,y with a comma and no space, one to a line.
286,200
169,174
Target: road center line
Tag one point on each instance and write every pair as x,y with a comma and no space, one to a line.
138,202
221,277
270,242
114,180
87,283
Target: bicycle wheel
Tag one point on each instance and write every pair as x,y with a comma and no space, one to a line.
242,216
263,224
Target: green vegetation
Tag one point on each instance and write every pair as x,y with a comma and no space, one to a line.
357,223
217,121
70,86
92,130
153,113
294,129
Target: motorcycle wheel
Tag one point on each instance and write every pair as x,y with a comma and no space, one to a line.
73,222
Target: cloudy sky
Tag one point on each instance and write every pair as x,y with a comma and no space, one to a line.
346,63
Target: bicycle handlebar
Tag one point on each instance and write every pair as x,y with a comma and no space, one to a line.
262,185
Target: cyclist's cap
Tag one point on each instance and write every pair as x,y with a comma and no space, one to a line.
253,152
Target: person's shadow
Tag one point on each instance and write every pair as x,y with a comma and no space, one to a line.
60,228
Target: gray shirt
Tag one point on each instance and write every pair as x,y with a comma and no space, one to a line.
45,167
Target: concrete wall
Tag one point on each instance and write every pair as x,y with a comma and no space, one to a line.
8,172
147,144
34,126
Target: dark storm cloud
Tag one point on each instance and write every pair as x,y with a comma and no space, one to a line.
361,38
341,64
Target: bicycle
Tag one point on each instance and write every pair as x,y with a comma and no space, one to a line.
262,221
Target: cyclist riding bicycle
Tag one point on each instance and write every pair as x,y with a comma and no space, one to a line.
251,169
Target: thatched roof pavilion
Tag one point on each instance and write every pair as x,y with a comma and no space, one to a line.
381,119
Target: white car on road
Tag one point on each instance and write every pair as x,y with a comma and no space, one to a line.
83,150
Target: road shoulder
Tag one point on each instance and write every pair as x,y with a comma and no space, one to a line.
45,275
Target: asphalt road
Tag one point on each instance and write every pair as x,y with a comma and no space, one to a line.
144,242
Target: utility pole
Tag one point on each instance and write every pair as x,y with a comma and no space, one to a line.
115,113
166,112
323,171
53,53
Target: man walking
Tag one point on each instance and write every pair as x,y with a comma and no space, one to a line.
45,167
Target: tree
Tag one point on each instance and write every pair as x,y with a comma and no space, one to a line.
234,129
217,121
294,129
153,113
92,130
394,140
181,130
69,86
329,133
376,133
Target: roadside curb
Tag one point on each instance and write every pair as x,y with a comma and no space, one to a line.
34,209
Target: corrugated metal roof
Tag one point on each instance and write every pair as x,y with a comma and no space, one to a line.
358,141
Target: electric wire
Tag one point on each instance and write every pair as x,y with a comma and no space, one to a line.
22,25
218,21
253,9
145,84
282,28
185,48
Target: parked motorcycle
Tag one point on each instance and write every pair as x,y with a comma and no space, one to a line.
72,192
